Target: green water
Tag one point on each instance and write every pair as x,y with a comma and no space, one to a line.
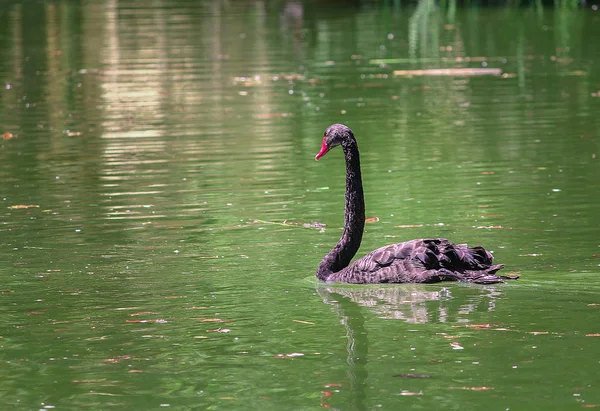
158,186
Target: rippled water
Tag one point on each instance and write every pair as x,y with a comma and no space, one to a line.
159,194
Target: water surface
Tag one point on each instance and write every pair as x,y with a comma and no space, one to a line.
158,192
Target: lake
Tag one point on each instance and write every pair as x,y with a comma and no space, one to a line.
162,215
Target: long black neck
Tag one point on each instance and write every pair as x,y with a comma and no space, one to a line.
354,218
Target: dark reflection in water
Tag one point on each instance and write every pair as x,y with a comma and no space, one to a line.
351,317
412,304
415,304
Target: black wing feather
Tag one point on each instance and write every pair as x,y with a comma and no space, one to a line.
422,261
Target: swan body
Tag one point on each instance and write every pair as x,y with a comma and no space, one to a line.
426,260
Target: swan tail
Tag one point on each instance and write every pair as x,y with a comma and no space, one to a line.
485,276
494,268
471,264
484,279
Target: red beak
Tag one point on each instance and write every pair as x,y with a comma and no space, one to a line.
324,150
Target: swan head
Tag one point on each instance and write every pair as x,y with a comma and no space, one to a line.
335,135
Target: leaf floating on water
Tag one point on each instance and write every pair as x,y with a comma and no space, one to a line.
409,226
456,346
7,135
118,359
483,388
408,393
303,322
372,220
23,206
142,313
413,375
539,332
101,338
589,305
450,72
458,59
593,335
212,320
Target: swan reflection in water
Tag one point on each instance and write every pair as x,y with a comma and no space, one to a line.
411,302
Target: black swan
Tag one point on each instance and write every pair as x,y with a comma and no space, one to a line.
426,260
